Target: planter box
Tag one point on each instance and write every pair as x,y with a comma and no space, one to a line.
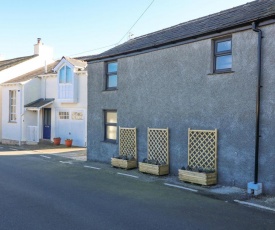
198,178
154,169
125,164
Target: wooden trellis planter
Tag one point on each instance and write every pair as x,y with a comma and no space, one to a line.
202,153
158,149
127,147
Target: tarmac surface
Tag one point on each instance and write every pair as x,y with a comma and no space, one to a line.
78,155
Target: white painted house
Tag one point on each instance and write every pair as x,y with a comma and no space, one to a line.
45,103
13,68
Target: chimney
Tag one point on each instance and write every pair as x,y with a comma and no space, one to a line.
42,50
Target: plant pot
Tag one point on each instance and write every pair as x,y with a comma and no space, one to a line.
56,140
68,142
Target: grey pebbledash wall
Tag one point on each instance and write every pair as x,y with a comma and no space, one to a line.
175,88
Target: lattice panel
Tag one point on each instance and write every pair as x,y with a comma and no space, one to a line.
158,145
202,148
127,142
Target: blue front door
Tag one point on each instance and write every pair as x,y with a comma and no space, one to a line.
47,124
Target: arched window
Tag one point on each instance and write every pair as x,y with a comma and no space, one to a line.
65,75
66,87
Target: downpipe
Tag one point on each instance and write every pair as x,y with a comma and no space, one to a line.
255,187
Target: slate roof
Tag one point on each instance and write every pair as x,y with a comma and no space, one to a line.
40,103
228,19
34,73
84,58
15,61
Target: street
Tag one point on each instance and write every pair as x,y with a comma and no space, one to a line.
46,192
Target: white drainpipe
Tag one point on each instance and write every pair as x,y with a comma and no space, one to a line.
21,114
38,124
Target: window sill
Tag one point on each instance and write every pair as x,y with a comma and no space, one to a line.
109,90
222,72
67,100
109,142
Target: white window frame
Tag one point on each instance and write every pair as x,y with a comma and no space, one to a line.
64,115
12,106
66,84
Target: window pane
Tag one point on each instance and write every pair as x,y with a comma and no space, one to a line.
224,46
224,62
68,75
62,76
112,81
12,105
63,115
111,132
112,67
111,117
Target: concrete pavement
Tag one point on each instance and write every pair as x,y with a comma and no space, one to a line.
79,155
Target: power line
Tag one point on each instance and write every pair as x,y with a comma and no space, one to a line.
136,21
93,49
122,37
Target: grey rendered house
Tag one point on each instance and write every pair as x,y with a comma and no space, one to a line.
202,74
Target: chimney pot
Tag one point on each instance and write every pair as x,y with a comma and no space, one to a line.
38,40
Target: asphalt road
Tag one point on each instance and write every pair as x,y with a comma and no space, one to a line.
43,193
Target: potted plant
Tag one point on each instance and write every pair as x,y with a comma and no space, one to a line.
56,140
68,142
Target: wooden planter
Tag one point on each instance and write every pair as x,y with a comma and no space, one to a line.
68,142
198,177
125,164
127,148
154,169
202,153
56,140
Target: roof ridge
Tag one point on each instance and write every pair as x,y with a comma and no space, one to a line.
195,20
235,17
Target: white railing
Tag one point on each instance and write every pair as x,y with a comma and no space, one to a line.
66,91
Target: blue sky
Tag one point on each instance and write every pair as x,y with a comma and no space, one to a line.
74,27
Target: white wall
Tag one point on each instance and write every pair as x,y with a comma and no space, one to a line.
62,128
10,130
0,113
32,90
22,68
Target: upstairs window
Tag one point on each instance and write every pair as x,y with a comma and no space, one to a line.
111,76
12,106
66,87
65,75
223,55
110,125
